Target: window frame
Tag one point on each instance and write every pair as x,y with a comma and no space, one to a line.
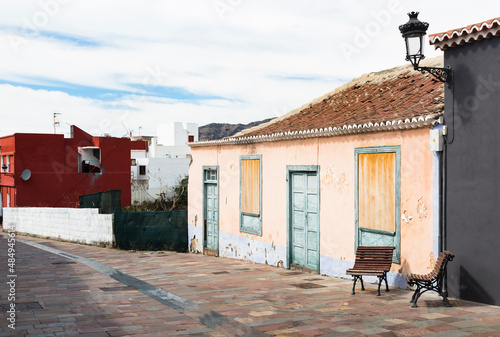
83,159
251,223
397,234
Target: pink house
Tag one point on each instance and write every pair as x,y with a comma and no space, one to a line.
353,167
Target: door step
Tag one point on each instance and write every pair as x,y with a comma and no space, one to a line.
303,269
209,252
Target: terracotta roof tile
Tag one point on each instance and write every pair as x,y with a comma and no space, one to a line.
468,34
397,94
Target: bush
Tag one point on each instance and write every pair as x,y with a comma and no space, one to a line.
178,200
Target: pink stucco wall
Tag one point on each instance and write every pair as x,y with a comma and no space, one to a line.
336,161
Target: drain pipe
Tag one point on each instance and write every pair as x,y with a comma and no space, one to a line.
442,229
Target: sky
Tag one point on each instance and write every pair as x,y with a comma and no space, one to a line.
123,67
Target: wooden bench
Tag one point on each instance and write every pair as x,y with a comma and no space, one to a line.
432,281
371,261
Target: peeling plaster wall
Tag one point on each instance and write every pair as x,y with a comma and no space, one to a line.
237,247
335,158
195,241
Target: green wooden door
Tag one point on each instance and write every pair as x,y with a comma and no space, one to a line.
304,219
211,211
212,216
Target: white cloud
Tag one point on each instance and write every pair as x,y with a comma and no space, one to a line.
248,56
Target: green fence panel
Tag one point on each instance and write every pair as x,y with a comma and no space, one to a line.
108,202
151,230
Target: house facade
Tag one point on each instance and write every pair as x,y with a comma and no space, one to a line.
472,116
48,170
158,163
353,167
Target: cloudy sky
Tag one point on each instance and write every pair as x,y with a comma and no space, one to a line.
114,66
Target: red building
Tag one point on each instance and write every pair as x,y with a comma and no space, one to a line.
48,170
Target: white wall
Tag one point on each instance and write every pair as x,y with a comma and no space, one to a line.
176,133
164,174
135,169
167,160
139,190
134,154
160,151
83,225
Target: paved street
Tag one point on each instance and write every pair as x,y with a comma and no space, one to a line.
64,289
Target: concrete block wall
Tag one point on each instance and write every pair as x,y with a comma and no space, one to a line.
83,225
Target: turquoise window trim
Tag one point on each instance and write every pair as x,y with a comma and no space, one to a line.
205,182
397,235
251,214
210,168
377,231
255,227
289,170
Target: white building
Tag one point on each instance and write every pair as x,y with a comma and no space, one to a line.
159,165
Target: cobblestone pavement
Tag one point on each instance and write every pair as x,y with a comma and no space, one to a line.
64,289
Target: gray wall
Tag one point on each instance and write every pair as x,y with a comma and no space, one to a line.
473,171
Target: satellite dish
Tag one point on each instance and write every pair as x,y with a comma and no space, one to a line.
26,175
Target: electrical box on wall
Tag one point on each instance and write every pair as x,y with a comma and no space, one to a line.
436,140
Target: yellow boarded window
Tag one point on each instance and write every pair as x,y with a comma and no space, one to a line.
377,191
250,186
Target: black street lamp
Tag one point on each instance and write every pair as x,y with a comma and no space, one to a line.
414,33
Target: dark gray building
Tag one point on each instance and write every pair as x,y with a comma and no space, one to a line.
472,160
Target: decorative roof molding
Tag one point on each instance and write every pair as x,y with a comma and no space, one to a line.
405,124
469,34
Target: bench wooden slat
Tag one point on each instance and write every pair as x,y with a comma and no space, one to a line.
431,281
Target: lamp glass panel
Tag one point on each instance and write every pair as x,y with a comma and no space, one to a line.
422,44
414,45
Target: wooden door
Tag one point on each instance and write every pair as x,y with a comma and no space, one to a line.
304,219
211,211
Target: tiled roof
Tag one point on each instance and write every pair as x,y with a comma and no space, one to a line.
397,98
471,33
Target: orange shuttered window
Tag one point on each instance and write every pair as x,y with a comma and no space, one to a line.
377,191
250,186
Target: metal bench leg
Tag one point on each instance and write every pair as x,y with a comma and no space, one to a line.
356,277
414,295
386,285
379,283
416,299
354,285
445,300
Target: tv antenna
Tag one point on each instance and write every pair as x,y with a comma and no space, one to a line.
56,121
129,131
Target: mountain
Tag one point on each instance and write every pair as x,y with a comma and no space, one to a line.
215,131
